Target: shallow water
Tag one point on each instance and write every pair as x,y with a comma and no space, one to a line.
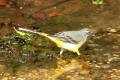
34,57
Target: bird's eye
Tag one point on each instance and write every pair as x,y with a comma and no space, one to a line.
89,33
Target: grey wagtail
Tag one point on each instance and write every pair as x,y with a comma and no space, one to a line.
66,40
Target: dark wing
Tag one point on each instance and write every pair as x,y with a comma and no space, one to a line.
75,37
65,38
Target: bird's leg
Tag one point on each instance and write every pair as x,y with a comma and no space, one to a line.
61,51
78,53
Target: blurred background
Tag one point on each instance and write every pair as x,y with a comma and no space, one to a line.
33,57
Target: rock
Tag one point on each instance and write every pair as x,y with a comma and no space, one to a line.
85,71
107,39
5,78
116,52
93,45
38,16
96,49
115,35
116,47
38,3
105,66
112,30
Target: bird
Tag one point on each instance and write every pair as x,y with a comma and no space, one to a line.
66,40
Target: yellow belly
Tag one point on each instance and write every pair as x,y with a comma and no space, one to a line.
68,46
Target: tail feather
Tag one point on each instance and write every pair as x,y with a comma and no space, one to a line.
32,31
39,33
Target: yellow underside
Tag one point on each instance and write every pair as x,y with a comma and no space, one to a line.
64,45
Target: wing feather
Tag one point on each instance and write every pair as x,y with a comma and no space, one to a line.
69,36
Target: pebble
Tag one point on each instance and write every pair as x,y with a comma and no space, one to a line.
93,45
5,78
85,71
116,52
98,49
115,47
38,2
115,55
20,79
112,30
105,66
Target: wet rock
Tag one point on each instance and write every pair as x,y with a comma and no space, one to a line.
62,62
115,35
38,3
85,71
97,50
112,59
38,16
116,52
116,47
5,78
2,19
4,31
3,3
112,30
2,67
116,55
107,39
36,42
91,41
21,21
105,66
93,45
20,79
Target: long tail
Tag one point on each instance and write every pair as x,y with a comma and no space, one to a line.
35,32
42,34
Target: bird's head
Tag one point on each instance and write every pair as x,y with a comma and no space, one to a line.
86,32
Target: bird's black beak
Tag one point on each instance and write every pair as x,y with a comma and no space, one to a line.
90,33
